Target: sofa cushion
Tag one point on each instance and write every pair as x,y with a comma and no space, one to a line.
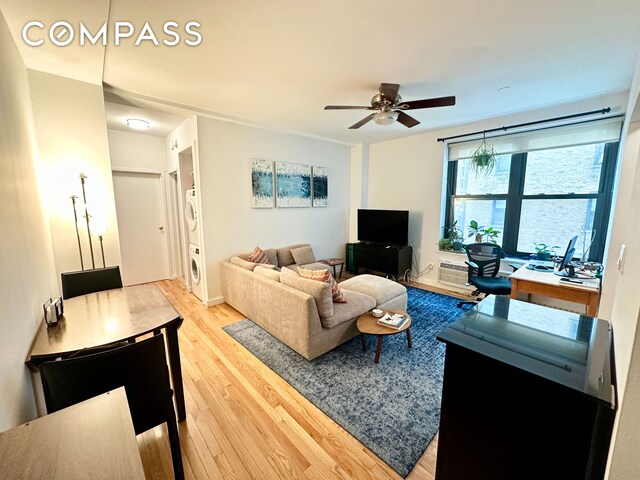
272,255
284,254
303,255
379,288
267,272
320,291
323,275
258,256
241,262
357,304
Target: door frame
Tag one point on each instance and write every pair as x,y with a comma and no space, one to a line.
173,201
163,193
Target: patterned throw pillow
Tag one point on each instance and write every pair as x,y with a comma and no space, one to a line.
324,276
258,256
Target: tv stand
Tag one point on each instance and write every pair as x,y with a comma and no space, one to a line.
389,259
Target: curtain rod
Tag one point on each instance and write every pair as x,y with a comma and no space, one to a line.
593,112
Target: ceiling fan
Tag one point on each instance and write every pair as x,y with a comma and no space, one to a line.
390,107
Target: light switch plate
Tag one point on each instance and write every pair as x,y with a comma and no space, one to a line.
620,262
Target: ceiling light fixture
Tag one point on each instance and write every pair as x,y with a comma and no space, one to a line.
137,124
386,116
504,89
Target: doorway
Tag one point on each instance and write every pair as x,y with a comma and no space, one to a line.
141,213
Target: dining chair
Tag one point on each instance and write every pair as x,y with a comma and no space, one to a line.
484,265
89,281
140,367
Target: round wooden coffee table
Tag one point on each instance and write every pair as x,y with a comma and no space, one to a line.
367,325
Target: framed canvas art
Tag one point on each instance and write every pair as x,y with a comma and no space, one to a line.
261,183
320,186
293,185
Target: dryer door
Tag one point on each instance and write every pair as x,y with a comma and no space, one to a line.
190,215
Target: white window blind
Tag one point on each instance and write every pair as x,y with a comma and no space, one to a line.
600,131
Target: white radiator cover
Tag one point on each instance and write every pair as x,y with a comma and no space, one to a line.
453,273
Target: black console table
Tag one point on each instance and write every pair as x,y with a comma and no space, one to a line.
390,259
528,393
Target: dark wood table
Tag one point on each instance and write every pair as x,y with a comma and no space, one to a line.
334,262
110,316
92,439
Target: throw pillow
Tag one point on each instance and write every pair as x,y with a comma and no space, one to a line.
326,277
303,255
258,256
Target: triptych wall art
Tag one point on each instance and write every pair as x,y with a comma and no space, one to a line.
287,185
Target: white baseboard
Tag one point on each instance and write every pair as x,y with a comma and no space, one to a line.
214,301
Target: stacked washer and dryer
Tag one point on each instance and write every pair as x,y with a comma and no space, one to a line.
193,227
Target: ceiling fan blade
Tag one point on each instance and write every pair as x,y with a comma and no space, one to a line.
362,122
407,120
347,107
389,90
428,103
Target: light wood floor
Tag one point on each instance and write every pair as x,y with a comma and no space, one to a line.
244,421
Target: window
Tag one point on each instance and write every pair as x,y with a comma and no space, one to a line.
538,194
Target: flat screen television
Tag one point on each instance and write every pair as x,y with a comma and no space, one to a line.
388,227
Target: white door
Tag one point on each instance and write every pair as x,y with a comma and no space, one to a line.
141,223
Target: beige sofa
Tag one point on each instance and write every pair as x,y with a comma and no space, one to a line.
301,312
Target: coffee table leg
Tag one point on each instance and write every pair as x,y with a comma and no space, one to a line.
364,345
409,340
379,348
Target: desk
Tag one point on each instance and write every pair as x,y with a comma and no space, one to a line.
111,316
93,439
549,285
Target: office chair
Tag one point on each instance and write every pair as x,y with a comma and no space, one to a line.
140,367
484,265
89,281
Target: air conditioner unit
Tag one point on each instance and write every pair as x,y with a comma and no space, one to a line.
453,273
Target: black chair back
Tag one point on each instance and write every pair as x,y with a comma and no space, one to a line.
90,281
140,367
486,257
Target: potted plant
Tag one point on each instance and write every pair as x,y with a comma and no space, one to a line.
445,244
456,235
483,159
544,252
480,232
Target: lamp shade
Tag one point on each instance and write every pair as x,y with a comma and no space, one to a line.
385,117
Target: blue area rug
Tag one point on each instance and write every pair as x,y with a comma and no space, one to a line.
392,407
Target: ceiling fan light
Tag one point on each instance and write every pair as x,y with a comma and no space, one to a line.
385,117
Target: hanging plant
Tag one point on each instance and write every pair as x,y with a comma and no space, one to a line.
483,160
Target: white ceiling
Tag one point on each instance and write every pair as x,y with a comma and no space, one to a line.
278,63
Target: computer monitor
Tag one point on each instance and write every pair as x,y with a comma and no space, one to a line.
565,269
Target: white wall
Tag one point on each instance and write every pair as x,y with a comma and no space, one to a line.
26,262
624,460
231,226
358,186
71,133
130,150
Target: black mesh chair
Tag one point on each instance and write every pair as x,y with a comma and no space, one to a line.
89,281
484,265
140,367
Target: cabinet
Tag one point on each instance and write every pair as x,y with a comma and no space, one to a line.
390,259
528,393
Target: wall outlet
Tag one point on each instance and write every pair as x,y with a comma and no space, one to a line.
430,267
